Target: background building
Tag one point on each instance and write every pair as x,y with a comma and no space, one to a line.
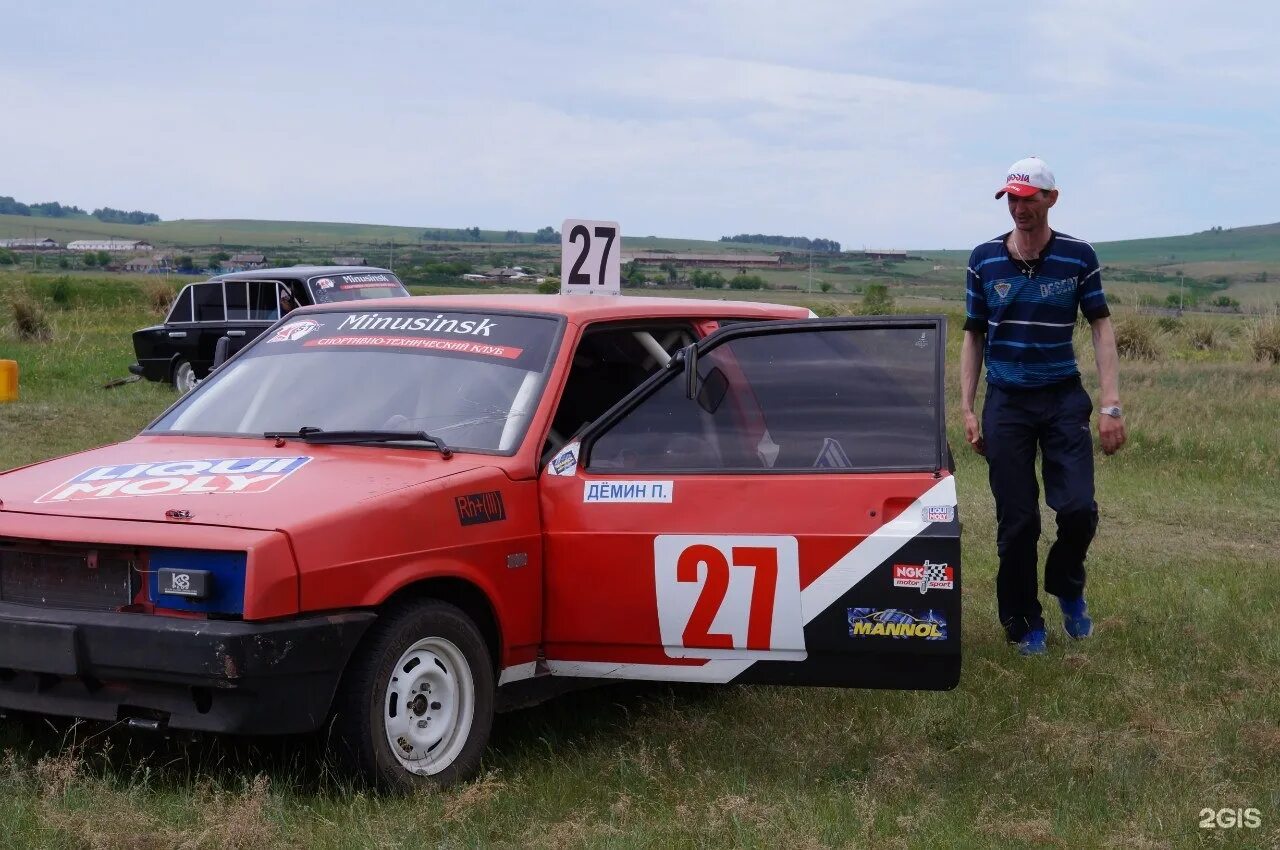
113,245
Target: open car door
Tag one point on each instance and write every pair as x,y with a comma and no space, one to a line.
787,517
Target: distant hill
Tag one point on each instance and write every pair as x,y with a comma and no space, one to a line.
254,233
1257,244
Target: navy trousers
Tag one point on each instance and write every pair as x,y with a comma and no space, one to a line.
1015,423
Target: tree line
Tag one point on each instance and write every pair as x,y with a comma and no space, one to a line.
544,236
800,243
122,217
53,209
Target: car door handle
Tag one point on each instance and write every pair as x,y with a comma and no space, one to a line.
178,334
235,333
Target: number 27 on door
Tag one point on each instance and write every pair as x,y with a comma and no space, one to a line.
729,596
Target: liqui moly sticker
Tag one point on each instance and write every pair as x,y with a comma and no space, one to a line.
324,283
628,491
938,513
295,330
177,478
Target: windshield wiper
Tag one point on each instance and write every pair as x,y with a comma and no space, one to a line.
319,436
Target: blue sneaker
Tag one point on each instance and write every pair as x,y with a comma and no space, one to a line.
1075,617
1032,643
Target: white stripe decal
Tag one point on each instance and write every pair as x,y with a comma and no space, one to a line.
717,670
1092,273
517,672
873,551
814,599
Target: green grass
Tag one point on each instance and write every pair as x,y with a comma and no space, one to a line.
1119,741
247,233
1259,243
1242,263
311,234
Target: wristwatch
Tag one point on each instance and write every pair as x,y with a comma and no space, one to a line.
1113,411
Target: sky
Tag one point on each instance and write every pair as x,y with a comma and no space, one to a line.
877,124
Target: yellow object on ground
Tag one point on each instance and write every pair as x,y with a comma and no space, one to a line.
8,380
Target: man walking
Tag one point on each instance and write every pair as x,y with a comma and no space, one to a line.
1023,292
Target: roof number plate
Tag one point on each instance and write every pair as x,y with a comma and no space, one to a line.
590,257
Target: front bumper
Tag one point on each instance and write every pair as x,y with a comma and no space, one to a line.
205,675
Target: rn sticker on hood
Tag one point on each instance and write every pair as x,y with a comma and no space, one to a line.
177,477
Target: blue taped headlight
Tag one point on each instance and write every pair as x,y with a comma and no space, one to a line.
220,575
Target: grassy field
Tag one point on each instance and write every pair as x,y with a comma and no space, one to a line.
1259,243
1119,741
246,233
253,233
1242,264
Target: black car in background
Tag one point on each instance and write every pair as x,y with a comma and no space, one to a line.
242,305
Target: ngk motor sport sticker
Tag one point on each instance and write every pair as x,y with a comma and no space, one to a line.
177,477
924,577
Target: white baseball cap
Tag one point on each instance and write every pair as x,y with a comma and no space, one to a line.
1026,177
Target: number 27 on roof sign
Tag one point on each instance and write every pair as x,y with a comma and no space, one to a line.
590,257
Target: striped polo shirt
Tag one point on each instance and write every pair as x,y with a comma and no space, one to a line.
1028,313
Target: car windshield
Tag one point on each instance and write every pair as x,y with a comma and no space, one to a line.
330,289
470,379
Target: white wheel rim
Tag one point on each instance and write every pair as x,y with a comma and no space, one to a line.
185,378
428,706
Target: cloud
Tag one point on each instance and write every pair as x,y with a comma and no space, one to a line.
1175,53
878,123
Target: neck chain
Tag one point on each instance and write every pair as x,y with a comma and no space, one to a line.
1028,268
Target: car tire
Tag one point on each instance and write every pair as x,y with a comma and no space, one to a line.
416,702
184,376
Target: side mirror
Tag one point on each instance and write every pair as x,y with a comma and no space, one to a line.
691,371
715,386
220,351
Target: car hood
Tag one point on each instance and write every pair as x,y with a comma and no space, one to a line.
234,482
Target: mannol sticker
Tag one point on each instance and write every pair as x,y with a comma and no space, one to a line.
897,623
177,477
628,491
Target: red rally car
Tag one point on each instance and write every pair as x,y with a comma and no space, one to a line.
386,515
